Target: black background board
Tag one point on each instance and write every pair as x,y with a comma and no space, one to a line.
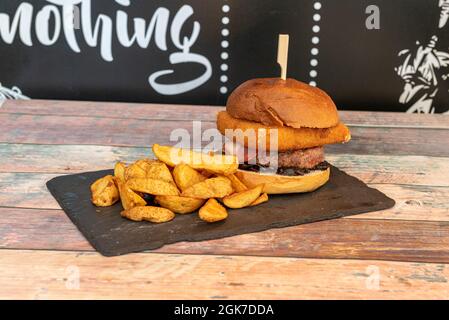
112,235
355,65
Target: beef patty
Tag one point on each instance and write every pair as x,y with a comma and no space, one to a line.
303,159
291,163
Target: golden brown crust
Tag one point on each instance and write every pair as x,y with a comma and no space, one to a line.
277,184
288,138
277,102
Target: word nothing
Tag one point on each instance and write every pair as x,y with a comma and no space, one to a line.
58,19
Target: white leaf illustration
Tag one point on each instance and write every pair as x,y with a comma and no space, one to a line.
13,93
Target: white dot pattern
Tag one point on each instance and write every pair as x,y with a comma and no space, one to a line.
313,74
225,32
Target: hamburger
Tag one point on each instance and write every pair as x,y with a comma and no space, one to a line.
306,120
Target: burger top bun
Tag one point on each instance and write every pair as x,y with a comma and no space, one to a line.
277,102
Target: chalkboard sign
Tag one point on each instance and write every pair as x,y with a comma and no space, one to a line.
369,55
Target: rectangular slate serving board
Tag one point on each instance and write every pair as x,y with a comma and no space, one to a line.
112,235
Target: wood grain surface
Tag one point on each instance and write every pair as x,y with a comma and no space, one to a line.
405,156
203,113
53,274
65,159
27,190
424,241
51,129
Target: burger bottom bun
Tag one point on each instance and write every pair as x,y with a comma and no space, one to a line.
278,184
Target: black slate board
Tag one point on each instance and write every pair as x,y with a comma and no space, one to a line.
112,235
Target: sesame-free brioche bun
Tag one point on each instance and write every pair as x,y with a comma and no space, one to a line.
279,184
277,102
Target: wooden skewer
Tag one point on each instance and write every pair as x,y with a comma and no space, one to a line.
283,54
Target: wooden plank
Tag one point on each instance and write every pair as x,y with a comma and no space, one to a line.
26,190
413,170
418,203
131,132
395,141
88,131
204,113
73,275
338,239
394,119
424,241
39,229
68,130
66,158
118,110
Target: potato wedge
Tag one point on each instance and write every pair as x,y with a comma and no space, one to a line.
186,177
159,171
181,205
243,199
212,211
262,198
151,214
147,168
129,198
218,187
217,163
238,185
136,170
104,192
153,186
119,171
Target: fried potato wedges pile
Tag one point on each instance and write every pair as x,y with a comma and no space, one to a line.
179,182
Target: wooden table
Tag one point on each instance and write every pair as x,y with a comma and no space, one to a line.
397,253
